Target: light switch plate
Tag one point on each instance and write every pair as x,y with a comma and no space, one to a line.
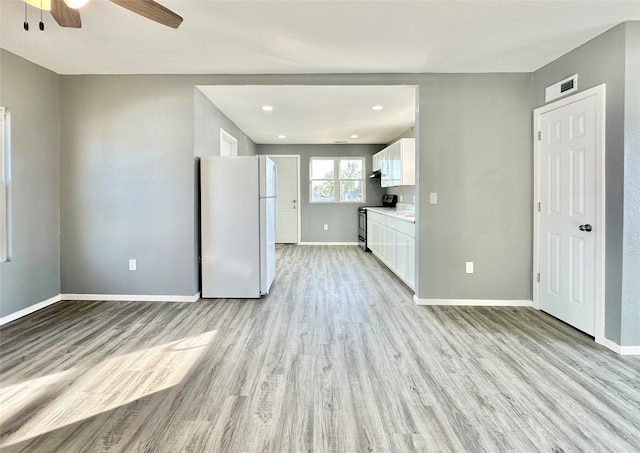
133,265
469,267
433,198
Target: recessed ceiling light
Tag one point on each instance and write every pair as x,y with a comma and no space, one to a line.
377,107
354,136
282,136
267,108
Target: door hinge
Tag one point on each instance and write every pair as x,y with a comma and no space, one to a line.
539,135
539,207
538,277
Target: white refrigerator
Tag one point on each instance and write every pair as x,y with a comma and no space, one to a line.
238,222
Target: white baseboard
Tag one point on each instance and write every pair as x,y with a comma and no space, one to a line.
130,298
474,302
615,347
328,243
30,309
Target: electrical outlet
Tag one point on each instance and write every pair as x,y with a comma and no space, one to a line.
469,267
326,227
400,198
133,265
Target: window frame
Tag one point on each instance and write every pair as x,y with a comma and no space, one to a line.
337,180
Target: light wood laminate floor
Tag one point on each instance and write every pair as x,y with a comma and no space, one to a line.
337,358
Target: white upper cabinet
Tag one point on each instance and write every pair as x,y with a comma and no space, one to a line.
397,163
375,161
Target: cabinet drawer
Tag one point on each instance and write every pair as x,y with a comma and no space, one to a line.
409,229
376,216
402,226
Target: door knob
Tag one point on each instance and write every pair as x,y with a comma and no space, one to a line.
585,227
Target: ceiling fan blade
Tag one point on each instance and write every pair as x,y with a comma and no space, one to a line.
151,10
65,16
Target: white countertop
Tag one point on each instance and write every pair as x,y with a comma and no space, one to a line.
407,216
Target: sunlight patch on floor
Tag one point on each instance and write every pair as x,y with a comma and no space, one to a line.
78,395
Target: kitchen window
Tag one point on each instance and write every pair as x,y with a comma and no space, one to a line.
336,180
4,187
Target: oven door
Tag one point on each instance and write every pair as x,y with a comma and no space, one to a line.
362,229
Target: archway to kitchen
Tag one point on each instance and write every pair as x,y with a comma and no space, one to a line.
313,121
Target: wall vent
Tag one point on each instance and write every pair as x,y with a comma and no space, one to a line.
562,88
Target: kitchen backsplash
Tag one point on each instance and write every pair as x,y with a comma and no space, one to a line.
405,207
406,192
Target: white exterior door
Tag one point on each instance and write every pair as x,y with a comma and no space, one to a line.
567,213
288,204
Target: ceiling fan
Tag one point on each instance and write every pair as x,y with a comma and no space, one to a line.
66,14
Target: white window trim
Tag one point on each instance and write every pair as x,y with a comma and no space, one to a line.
226,137
4,187
336,179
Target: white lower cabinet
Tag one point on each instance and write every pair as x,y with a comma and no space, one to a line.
392,240
401,255
390,246
411,262
378,242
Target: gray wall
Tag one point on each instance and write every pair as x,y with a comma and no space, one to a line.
128,185
602,60
342,218
630,326
475,152
32,96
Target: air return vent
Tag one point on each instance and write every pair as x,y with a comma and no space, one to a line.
564,87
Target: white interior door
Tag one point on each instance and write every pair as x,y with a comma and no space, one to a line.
288,204
568,221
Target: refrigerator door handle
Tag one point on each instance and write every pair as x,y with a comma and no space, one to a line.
275,195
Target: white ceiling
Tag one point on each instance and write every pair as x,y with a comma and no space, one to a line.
306,37
317,114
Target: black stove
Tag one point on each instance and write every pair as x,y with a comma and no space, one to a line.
388,201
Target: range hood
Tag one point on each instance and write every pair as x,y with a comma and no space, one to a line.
375,174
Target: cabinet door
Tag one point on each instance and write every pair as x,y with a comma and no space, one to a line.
381,242
375,237
411,263
395,159
390,247
401,255
407,162
385,169
375,162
